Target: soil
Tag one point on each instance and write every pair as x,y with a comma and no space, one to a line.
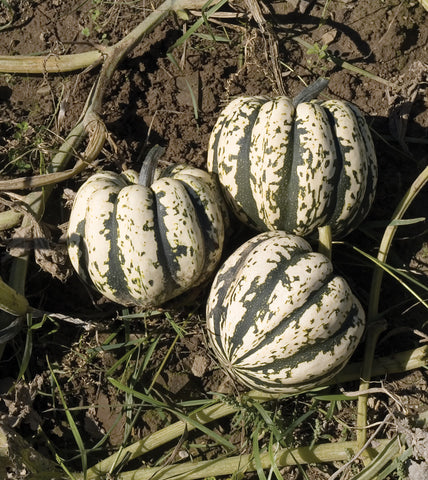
251,50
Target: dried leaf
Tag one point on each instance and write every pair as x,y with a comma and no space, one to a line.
20,404
50,256
68,195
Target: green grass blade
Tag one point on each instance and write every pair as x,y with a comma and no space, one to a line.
298,421
203,403
195,102
9,328
181,416
164,360
28,348
149,353
389,452
177,329
256,453
142,315
73,427
333,398
120,361
406,221
216,38
395,464
141,396
11,301
274,467
191,30
201,427
279,436
396,274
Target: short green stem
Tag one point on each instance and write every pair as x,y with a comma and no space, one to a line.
325,241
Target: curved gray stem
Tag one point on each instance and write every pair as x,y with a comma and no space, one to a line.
147,172
311,91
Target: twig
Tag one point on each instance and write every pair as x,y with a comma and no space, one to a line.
372,390
344,467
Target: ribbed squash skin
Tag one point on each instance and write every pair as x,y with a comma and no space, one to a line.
141,245
278,318
295,168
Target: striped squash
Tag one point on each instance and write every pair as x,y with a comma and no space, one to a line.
141,244
295,165
278,318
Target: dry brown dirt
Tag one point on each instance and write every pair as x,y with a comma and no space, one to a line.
148,101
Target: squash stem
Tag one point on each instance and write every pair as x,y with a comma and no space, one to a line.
311,91
148,169
325,241
375,327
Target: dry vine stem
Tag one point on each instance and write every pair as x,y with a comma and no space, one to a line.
53,63
97,138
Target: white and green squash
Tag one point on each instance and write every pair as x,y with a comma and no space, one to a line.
141,241
295,164
279,319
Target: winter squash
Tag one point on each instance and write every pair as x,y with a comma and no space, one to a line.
278,318
143,242
295,164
